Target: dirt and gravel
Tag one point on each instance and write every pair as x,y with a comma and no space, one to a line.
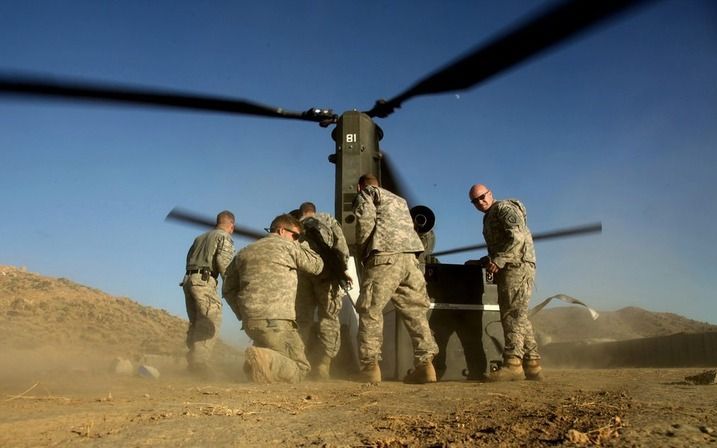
626,407
57,388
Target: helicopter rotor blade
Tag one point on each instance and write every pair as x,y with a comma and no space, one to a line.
184,216
555,25
392,180
553,234
74,90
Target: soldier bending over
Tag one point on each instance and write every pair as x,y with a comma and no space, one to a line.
389,244
323,292
261,288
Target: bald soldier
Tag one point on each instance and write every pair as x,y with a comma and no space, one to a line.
261,288
207,259
511,259
389,245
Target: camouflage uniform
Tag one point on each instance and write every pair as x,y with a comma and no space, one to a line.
208,258
321,291
510,247
261,288
428,239
389,245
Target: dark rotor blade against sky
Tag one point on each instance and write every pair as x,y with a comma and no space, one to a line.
187,217
553,234
555,25
35,86
392,181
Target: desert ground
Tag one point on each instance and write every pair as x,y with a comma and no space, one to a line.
60,386
617,407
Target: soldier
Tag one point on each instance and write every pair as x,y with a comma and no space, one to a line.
428,240
261,289
511,258
389,245
208,258
442,322
324,235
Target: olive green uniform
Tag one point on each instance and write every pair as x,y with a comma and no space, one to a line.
208,258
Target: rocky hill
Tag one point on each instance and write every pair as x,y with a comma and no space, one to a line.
574,324
58,319
52,321
41,311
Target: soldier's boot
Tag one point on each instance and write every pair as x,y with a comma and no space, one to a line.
322,368
369,373
511,370
284,369
421,374
532,370
259,363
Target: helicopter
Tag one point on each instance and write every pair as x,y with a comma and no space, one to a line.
356,135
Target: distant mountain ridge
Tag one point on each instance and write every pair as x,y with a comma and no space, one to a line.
574,324
44,312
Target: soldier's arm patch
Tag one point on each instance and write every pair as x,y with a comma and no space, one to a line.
510,216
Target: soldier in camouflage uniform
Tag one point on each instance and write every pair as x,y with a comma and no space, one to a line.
428,240
511,258
261,288
208,258
389,245
323,292
443,323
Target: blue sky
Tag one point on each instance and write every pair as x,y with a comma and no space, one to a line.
618,126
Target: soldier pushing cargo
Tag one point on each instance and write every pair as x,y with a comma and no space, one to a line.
322,293
388,245
261,288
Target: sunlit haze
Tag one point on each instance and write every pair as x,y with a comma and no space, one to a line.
618,125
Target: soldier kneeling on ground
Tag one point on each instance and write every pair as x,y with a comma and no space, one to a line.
261,286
